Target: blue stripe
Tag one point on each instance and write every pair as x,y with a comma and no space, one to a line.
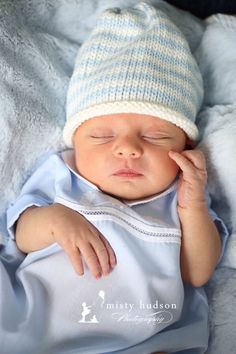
151,95
121,47
127,64
123,76
87,59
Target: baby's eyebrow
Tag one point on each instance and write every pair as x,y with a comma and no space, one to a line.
99,127
158,130
100,130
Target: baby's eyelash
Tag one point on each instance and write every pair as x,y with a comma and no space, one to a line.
156,137
101,136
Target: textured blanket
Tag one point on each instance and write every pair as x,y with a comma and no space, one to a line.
38,43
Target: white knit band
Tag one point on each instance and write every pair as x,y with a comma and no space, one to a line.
146,108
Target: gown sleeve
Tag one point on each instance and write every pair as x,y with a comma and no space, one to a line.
220,225
39,190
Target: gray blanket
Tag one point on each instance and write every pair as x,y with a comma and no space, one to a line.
38,43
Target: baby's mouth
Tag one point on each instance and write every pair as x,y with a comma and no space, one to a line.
127,172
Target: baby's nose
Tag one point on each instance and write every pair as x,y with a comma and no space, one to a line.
128,149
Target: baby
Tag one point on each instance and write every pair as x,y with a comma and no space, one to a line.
127,201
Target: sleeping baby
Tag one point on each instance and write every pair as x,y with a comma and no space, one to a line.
118,230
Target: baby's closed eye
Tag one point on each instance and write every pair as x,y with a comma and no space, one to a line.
101,134
156,138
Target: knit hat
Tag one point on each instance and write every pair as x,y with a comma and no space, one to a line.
135,61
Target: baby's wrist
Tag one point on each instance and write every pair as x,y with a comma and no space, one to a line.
192,207
51,214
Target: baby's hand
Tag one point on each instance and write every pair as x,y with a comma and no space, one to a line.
192,179
78,237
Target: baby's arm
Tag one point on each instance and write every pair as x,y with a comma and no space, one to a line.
201,245
39,227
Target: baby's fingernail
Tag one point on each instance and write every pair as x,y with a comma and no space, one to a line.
113,263
98,276
106,272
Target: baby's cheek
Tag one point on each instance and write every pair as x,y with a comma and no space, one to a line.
165,164
172,162
82,164
171,166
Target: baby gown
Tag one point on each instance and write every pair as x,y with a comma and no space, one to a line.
143,305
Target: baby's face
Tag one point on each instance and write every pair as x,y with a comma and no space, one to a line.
126,155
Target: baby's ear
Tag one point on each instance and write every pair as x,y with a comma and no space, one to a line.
190,144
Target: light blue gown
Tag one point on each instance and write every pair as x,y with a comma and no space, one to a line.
141,307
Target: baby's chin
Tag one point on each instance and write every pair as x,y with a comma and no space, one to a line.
130,188
131,196
133,192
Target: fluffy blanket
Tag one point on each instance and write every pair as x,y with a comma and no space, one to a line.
38,43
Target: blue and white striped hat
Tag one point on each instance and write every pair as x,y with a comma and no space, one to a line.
135,61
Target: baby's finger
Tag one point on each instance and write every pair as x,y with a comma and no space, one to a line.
100,247
76,260
184,164
91,259
196,157
111,253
